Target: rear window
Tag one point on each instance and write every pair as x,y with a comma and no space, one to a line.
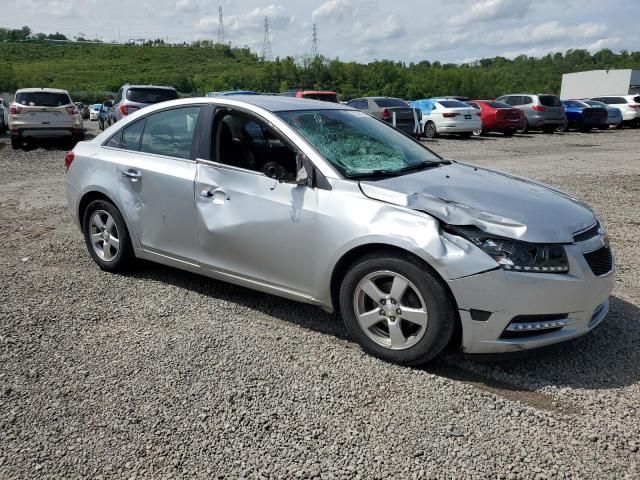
325,97
452,104
498,104
613,100
574,103
550,101
43,99
151,95
390,102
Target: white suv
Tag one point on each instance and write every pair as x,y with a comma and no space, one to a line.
629,105
43,113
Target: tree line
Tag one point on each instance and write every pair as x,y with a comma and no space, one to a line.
204,66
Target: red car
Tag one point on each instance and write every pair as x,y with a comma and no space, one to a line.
498,117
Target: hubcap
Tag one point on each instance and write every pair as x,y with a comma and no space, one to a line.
390,310
104,235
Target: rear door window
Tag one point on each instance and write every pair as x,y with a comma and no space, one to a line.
526,100
498,105
613,100
42,99
151,95
129,137
170,133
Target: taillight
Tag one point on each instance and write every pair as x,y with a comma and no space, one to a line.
478,114
127,109
68,159
634,105
449,114
385,114
15,109
539,108
72,110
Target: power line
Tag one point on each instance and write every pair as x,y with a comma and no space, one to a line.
314,41
266,44
220,26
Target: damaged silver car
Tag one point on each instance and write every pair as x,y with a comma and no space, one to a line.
327,205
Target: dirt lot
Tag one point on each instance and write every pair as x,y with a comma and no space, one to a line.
163,374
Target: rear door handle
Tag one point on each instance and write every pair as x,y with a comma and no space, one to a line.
132,174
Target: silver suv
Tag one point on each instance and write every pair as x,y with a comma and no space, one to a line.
542,112
320,203
131,98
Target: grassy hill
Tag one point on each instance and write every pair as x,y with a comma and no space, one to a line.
90,69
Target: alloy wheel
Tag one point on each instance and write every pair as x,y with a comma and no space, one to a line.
390,310
104,235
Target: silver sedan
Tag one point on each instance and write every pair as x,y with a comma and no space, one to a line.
327,205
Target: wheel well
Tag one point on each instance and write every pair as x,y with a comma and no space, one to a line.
86,200
352,256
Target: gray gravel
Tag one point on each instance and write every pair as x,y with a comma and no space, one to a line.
164,374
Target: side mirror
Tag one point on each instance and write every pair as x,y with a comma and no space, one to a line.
302,176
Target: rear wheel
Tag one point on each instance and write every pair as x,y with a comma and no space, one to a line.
465,134
397,310
106,236
564,127
549,128
477,133
430,130
635,123
16,142
510,132
619,126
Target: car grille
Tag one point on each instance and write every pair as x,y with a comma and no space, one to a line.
600,261
587,234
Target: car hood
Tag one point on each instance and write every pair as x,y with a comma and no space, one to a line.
495,202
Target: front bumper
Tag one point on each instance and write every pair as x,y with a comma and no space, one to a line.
579,294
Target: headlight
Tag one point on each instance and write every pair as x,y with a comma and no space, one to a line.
514,254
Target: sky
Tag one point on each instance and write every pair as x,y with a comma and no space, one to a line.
353,30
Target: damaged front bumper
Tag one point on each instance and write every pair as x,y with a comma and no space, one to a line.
503,311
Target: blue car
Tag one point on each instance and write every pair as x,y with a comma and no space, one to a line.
614,118
582,116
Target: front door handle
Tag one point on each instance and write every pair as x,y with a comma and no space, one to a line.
132,174
217,194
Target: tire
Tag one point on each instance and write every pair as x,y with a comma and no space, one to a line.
564,127
478,133
619,126
509,133
549,128
635,123
16,142
524,129
415,343
430,130
120,257
465,134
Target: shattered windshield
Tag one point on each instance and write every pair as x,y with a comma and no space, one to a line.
357,144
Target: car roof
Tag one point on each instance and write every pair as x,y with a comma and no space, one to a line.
49,90
322,92
276,103
167,87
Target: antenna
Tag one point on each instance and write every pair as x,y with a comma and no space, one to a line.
220,26
314,40
266,44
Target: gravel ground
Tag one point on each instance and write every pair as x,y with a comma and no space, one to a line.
164,374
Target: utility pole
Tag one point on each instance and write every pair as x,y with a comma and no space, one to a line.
220,26
266,44
314,40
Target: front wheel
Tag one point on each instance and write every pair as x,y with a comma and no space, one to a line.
106,236
397,310
564,127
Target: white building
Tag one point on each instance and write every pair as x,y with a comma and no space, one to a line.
596,83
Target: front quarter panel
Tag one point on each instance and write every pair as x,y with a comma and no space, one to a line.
349,220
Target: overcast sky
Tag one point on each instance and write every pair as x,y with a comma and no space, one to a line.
361,30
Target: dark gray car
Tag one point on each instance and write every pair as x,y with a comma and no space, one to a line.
131,98
542,112
385,108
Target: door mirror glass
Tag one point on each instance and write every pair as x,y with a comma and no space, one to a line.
275,171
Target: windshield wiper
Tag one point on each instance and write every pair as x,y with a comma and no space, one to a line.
393,173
